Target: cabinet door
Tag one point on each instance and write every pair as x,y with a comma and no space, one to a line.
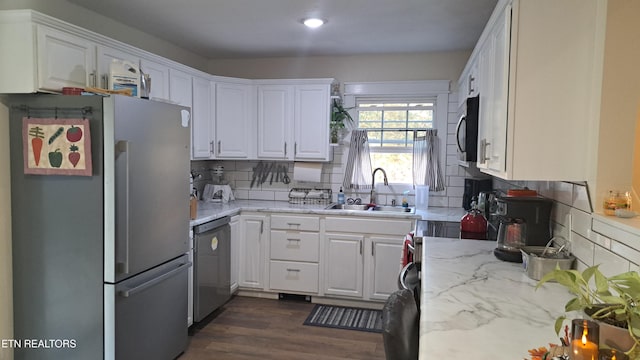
382,266
203,124
180,89
252,251
159,79
234,132
343,265
275,121
494,72
234,224
64,60
105,56
312,109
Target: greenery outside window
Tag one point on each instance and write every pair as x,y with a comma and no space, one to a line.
390,124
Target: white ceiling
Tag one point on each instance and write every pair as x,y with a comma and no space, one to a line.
265,28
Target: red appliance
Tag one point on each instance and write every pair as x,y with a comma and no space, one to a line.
473,225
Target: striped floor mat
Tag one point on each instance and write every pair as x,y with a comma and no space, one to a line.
345,318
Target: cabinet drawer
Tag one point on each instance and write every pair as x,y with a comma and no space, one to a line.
293,276
383,226
305,223
295,246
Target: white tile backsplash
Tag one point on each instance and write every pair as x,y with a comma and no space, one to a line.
625,251
582,248
610,263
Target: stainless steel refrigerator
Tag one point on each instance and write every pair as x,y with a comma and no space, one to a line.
99,264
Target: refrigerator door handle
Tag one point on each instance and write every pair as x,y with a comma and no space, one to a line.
154,281
122,146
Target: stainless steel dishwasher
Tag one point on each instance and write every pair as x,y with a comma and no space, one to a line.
212,267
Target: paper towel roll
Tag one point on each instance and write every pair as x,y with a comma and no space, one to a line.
311,172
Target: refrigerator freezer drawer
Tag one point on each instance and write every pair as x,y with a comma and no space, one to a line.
148,319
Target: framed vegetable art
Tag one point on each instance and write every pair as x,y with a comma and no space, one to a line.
53,146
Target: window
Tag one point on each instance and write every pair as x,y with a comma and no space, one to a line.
390,124
390,111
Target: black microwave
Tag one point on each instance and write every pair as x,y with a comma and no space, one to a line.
467,131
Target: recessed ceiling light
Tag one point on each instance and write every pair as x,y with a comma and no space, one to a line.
313,22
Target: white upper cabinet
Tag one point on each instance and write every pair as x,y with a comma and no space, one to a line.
311,126
159,75
203,122
293,119
538,73
180,90
493,65
234,132
64,60
275,121
105,56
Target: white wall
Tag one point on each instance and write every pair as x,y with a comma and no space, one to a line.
66,11
6,295
360,68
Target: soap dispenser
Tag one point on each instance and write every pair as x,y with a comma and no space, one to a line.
340,196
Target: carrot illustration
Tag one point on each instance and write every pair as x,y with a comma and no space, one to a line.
36,142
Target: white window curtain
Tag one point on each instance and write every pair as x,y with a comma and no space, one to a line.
357,175
426,165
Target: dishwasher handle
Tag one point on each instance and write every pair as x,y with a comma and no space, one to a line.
211,225
157,280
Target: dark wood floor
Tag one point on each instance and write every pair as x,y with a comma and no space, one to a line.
252,328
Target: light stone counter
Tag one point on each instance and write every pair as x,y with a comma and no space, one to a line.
208,211
474,306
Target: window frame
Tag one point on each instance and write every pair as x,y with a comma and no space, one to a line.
427,89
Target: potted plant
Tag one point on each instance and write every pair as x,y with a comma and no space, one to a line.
612,301
339,117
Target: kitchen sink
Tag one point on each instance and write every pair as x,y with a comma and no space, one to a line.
366,207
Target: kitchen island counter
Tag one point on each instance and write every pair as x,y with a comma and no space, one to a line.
474,306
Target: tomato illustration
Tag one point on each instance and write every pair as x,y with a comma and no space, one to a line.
74,134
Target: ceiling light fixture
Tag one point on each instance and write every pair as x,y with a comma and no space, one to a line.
313,22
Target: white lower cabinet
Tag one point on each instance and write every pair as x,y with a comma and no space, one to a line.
382,267
343,265
294,247
234,224
293,276
362,256
253,238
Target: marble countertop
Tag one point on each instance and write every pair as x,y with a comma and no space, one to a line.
474,306
208,211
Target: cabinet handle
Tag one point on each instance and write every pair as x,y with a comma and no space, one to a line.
105,82
295,148
219,144
293,270
92,79
211,147
293,224
296,240
484,153
360,241
471,80
373,249
285,149
261,226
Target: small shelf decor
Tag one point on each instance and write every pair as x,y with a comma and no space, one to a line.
339,118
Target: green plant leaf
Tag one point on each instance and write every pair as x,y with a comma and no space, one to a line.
588,273
601,282
610,299
574,305
558,325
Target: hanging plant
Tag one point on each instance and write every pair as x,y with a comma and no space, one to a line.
339,117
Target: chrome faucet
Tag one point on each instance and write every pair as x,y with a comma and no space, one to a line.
372,198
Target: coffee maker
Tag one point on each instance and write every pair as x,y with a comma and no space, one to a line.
523,221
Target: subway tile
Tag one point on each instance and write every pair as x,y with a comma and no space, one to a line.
455,191
616,233
580,198
456,181
453,201
261,195
563,192
582,248
560,231
451,128
601,240
625,251
545,188
561,214
241,194
610,263
581,222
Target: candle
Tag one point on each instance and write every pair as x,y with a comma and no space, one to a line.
585,338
